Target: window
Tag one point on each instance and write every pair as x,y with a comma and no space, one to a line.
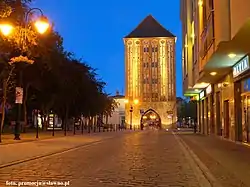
193,54
207,36
211,4
156,49
153,50
154,81
154,64
146,49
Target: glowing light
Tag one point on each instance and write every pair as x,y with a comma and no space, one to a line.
213,73
196,90
136,101
144,117
42,25
231,55
126,101
200,3
6,29
152,117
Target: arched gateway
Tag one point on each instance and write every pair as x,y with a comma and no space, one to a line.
150,119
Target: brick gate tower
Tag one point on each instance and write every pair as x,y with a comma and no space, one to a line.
150,74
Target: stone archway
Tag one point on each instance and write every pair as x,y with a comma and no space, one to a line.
150,118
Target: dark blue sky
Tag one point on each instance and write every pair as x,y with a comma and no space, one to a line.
93,30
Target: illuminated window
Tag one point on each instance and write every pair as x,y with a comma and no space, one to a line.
146,49
154,81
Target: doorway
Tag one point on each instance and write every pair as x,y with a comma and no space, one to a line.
245,117
202,117
217,114
226,119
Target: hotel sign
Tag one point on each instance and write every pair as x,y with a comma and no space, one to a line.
209,89
202,94
241,66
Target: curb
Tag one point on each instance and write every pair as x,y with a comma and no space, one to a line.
39,139
207,179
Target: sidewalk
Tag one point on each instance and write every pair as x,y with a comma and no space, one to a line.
228,162
31,136
11,153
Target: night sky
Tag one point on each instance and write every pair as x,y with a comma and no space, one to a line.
94,30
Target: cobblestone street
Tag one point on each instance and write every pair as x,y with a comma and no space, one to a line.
128,158
149,158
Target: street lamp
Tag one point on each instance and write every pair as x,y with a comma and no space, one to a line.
6,28
135,101
42,25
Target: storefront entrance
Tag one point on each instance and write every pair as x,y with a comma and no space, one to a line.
226,119
245,117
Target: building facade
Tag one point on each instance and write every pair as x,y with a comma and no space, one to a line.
215,63
150,73
118,115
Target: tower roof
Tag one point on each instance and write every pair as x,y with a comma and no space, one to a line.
149,27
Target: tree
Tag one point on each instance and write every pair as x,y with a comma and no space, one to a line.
56,81
186,108
6,77
192,109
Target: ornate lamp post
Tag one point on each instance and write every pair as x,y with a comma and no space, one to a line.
135,102
41,25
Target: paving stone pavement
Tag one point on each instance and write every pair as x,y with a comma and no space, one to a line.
150,158
26,150
227,161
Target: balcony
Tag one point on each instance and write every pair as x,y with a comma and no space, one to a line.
219,55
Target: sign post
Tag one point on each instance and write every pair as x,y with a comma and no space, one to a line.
171,113
19,95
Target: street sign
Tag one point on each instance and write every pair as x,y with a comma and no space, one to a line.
170,112
19,95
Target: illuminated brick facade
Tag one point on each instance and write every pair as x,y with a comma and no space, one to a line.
150,72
